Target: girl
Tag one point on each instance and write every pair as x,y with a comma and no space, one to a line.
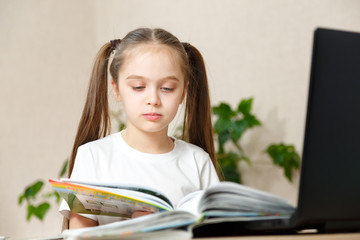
152,73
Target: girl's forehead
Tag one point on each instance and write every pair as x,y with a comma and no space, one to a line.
150,49
147,58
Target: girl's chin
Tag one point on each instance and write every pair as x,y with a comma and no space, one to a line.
152,129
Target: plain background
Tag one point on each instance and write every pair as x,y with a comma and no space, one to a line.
252,48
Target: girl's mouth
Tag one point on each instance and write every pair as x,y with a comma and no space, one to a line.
152,116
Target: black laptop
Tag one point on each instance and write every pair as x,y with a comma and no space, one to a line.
329,193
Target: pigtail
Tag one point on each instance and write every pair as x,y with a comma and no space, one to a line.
95,119
197,120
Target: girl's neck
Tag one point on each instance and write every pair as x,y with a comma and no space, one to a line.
154,143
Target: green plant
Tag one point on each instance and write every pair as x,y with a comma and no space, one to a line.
32,194
285,156
230,126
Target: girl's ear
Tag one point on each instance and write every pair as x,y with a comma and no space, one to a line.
115,89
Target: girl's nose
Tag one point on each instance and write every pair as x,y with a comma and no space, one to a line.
153,98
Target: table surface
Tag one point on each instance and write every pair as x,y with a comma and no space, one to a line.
305,236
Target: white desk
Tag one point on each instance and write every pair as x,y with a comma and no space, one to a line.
342,236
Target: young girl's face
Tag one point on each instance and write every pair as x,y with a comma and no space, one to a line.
151,86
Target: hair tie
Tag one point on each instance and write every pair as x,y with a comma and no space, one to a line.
186,46
114,43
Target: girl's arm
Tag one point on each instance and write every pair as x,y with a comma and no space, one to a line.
139,214
78,221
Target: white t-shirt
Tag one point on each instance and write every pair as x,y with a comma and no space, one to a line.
185,169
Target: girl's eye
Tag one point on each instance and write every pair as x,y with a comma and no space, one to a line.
166,89
138,88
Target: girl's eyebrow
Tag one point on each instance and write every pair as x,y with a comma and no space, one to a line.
134,77
138,77
171,78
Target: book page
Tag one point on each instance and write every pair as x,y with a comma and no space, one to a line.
149,223
232,199
190,203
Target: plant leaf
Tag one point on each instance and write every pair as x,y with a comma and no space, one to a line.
64,168
32,190
251,120
286,157
245,106
223,137
57,196
231,174
121,127
21,199
224,111
228,162
41,210
30,211
38,211
238,127
222,125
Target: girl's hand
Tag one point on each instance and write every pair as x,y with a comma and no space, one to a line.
139,214
78,221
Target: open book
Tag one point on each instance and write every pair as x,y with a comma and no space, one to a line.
222,202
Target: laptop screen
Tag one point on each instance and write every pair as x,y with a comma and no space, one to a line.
330,174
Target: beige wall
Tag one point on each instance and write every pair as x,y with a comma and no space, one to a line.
252,48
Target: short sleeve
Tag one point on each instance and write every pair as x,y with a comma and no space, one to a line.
208,174
84,168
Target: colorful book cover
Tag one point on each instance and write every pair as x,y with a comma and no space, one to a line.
105,201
